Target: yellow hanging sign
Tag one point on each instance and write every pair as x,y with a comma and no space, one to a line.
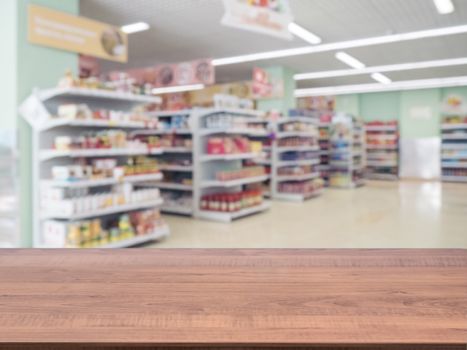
63,31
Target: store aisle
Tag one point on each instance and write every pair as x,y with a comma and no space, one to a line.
379,215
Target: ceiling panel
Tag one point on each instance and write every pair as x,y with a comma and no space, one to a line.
190,29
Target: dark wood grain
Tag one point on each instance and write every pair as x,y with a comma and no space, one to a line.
227,298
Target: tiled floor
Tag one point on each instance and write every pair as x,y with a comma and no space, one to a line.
379,215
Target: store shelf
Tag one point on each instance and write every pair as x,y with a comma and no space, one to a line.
90,123
51,154
179,168
314,161
48,94
106,211
381,127
381,163
265,162
453,157
171,113
388,177
453,178
173,186
284,134
454,146
282,178
454,126
102,182
177,210
255,116
240,156
454,136
249,132
163,132
228,217
298,197
233,183
453,165
177,150
297,149
385,147
310,120
137,240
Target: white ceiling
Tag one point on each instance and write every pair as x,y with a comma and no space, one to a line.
183,30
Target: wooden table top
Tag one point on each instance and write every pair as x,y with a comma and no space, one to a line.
224,297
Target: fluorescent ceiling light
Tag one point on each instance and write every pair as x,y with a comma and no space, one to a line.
444,6
181,88
386,68
304,34
394,86
430,33
135,27
381,78
349,60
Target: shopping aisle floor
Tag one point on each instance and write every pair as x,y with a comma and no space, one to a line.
379,215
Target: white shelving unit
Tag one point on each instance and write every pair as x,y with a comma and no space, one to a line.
347,152
382,151
324,145
294,156
207,165
177,161
39,111
454,152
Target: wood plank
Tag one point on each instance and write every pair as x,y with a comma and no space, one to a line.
224,298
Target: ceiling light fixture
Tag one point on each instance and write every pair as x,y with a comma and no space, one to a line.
349,60
386,68
135,27
394,86
181,88
304,34
444,6
381,78
430,33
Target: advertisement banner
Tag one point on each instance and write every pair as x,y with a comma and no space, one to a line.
77,34
185,73
265,87
271,17
454,105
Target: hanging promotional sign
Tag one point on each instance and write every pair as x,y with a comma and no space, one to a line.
185,73
271,17
454,104
63,31
266,87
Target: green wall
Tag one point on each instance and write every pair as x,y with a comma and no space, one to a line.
288,101
418,111
8,27
40,67
379,106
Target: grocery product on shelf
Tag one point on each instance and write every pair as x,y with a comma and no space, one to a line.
232,145
227,146
346,155
166,142
102,232
246,172
177,202
295,156
120,82
87,162
68,202
231,202
103,168
454,148
305,188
